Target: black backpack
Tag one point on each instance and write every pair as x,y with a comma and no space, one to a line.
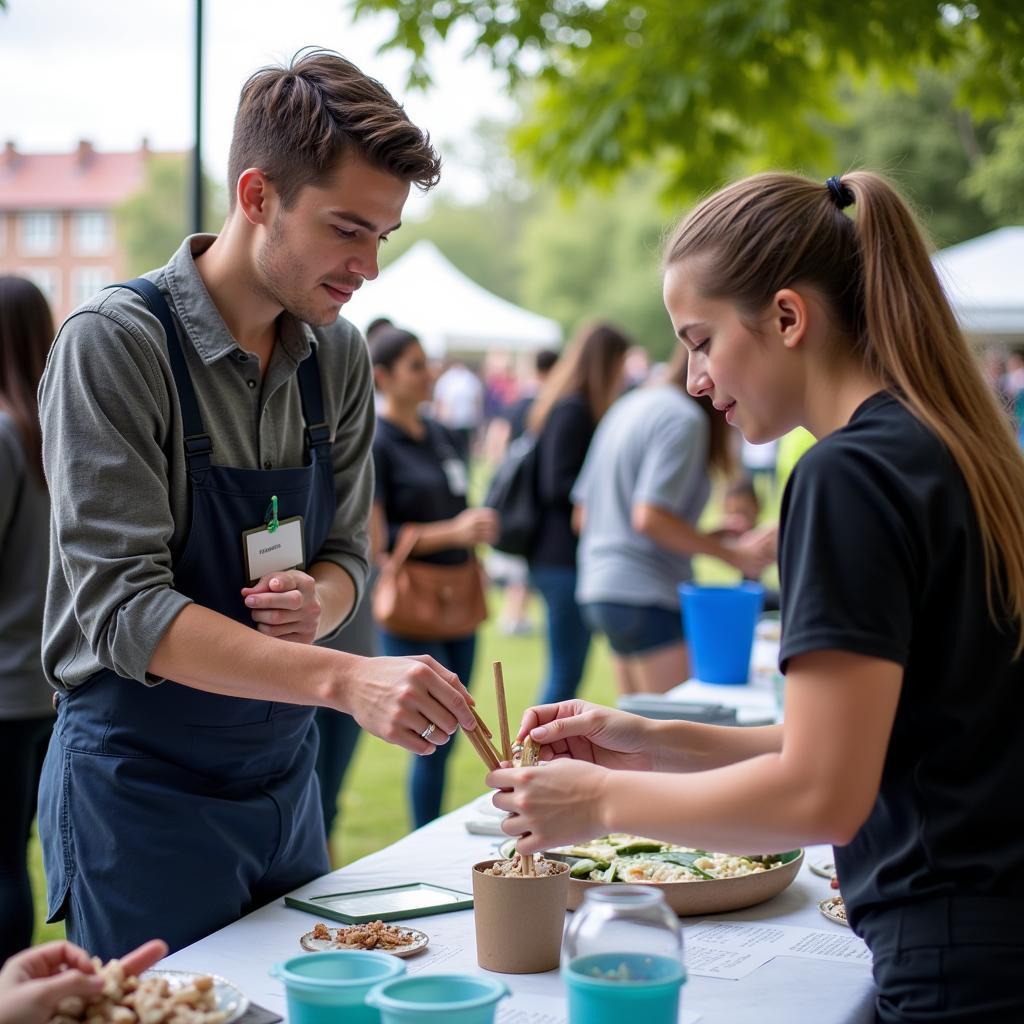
513,495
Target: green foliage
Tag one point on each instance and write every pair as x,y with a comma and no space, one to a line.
996,182
153,222
704,86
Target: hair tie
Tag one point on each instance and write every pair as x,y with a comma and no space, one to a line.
840,194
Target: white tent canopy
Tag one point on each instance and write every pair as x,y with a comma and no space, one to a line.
984,280
422,292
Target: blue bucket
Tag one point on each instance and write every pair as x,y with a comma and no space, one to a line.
438,999
719,625
323,988
609,988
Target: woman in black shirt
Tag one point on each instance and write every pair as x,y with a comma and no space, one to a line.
421,478
574,397
902,584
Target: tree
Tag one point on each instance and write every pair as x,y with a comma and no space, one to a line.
700,85
996,180
153,222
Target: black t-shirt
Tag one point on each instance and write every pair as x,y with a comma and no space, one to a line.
561,449
419,480
880,555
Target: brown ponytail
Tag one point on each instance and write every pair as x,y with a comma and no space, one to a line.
774,231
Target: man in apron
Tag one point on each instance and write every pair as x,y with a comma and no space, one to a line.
207,432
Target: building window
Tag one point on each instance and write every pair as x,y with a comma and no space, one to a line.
87,281
47,280
40,233
93,232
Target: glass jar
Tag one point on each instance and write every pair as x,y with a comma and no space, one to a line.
623,953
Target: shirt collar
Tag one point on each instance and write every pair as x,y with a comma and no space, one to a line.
201,319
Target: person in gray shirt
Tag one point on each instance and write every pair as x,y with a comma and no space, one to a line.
206,438
639,496
26,709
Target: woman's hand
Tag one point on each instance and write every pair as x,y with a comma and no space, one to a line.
286,605
476,526
583,731
550,804
34,981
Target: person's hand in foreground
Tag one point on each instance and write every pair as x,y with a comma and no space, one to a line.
34,981
580,743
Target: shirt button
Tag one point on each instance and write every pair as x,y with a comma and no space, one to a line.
242,357
268,464
251,384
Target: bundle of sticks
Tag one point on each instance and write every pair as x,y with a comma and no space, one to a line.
522,755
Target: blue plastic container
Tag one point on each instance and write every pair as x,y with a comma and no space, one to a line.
325,988
438,999
719,625
609,988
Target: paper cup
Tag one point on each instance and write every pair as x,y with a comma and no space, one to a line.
519,921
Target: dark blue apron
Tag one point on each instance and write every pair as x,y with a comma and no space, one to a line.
166,811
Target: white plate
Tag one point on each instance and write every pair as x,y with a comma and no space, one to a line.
229,996
417,940
830,907
486,806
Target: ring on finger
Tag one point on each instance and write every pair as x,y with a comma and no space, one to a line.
428,732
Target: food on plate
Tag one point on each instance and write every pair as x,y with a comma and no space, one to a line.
834,909
519,867
374,935
619,857
126,999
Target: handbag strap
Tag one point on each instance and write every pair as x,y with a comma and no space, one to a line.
406,540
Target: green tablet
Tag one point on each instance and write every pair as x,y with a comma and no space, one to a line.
391,903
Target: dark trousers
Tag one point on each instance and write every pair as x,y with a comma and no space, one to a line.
23,745
339,734
953,959
426,781
568,635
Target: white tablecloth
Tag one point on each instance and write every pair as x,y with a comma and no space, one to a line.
784,990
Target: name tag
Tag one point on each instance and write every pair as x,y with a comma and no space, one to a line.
455,471
266,552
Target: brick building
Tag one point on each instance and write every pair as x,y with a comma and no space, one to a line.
57,224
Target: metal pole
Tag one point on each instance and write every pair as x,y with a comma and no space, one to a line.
197,160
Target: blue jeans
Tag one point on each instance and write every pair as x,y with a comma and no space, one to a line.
568,634
426,780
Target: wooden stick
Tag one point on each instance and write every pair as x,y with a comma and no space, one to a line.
499,691
480,722
482,748
529,758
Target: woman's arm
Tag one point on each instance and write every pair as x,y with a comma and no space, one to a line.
669,531
819,787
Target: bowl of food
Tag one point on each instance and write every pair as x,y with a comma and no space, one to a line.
692,881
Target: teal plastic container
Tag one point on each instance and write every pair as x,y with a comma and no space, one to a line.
719,623
328,987
610,988
438,999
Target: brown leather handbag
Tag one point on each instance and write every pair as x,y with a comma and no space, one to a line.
425,601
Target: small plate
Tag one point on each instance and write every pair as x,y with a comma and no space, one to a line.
834,909
823,867
417,940
230,998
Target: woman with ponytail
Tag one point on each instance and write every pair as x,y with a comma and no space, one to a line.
902,575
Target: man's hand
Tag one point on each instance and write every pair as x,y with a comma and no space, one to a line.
286,605
34,981
398,698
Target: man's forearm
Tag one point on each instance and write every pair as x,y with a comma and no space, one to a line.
208,651
337,594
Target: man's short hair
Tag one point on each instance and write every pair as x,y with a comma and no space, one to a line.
295,123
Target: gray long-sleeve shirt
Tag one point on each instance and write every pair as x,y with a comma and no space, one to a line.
114,457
